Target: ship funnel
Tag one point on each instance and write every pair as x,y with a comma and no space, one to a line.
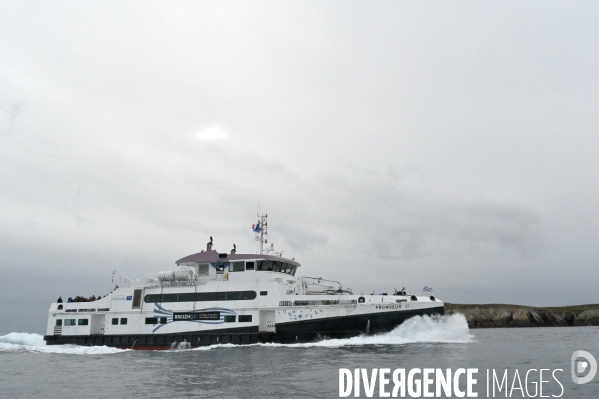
234,249
209,245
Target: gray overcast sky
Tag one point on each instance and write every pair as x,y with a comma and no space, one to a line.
451,144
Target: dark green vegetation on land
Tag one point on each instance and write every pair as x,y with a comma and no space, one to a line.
500,315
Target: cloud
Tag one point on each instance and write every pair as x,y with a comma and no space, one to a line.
301,237
211,133
388,143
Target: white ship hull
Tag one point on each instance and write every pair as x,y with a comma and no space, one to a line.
268,318
229,298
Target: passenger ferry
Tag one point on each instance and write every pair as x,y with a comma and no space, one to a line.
221,298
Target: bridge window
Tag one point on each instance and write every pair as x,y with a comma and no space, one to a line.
289,269
249,265
237,266
265,265
203,269
276,266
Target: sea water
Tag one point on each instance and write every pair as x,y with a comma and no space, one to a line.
30,369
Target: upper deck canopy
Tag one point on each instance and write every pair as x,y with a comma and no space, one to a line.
214,256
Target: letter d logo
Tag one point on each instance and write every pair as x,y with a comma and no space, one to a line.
581,366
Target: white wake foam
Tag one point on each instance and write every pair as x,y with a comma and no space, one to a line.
78,350
34,343
418,329
27,339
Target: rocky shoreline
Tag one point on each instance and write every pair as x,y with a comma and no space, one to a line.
502,316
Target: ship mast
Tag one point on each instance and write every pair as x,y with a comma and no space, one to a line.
263,226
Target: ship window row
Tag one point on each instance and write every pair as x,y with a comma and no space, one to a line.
240,266
155,320
73,322
163,320
201,296
242,319
276,266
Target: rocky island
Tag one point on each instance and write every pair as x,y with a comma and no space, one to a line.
500,316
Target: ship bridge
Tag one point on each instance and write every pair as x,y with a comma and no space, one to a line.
220,265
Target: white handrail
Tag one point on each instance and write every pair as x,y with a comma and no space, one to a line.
122,275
